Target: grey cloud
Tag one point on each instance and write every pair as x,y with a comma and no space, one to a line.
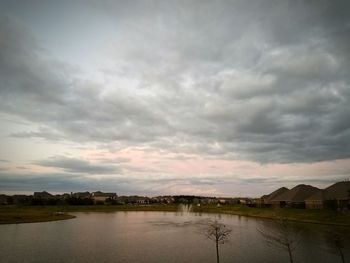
32,89
137,169
292,182
114,160
67,182
64,182
53,182
21,167
181,157
74,165
266,81
42,132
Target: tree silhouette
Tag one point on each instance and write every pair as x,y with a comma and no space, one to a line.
219,233
336,240
282,236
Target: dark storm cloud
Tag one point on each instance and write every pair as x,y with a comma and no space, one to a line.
30,182
32,89
74,165
266,81
297,181
64,182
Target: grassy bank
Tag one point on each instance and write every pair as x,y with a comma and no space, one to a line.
11,214
25,214
16,215
301,215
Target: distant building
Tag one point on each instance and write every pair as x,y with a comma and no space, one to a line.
20,199
64,196
225,200
163,199
295,197
266,200
43,195
336,196
143,200
208,200
221,201
102,197
82,195
135,199
4,199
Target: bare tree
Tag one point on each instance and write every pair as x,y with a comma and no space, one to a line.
282,236
336,241
219,233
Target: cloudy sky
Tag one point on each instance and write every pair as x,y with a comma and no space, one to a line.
219,98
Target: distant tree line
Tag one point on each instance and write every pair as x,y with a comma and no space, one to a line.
49,201
99,198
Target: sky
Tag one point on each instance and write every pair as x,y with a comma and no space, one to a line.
211,98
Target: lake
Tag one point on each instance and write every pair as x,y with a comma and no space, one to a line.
156,237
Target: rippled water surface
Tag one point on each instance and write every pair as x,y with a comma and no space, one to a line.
156,237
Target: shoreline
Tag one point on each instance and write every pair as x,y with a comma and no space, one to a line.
25,219
36,214
294,220
308,216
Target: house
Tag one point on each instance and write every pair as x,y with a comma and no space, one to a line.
3,199
222,201
232,201
336,196
247,201
21,199
294,197
102,197
143,200
163,199
43,195
122,200
135,199
266,200
81,195
64,196
208,200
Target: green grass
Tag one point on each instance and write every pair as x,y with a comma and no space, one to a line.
15,215
25,214
301,215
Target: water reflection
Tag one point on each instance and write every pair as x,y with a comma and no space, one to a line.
156,237
336,240
283,236
184,209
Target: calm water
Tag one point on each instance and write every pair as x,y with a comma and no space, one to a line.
153,237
